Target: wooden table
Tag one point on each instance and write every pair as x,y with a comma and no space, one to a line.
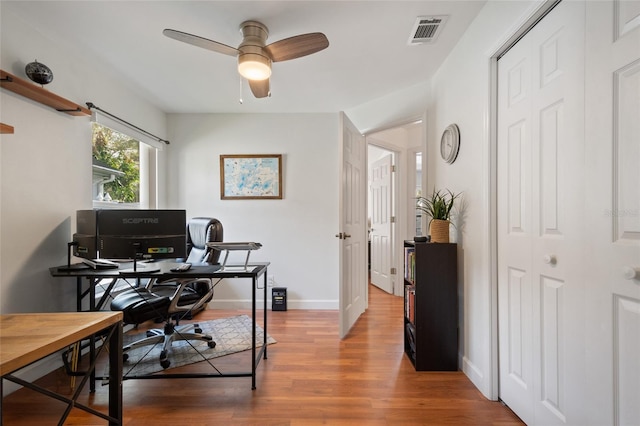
26,338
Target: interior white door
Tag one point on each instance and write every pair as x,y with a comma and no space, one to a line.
352,234
613,178
541,220
380,192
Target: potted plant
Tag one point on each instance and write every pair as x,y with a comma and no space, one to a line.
438,206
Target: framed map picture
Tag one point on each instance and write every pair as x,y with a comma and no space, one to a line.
256,176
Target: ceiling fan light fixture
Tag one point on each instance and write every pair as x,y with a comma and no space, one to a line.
254,67
254,55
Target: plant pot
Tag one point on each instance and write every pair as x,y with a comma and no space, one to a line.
439,230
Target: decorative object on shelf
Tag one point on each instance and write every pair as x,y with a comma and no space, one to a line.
438,206
38,94
40,73
450,143
439,230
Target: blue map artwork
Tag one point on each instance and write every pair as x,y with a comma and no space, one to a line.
251,177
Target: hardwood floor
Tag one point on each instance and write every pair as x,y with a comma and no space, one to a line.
311,377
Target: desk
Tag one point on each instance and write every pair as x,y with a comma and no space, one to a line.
26,338
254,271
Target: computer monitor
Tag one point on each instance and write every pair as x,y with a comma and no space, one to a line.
130,234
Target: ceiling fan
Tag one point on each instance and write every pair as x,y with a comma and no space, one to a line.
254,55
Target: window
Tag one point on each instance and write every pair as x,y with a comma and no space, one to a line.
116,167
418,190
122,172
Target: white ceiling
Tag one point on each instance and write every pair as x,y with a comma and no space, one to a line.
368,56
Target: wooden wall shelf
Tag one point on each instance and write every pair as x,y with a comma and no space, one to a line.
32,91
5,128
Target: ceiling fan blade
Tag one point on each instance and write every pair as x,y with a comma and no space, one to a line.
205,43
297,46
260,88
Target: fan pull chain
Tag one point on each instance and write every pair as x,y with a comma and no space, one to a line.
240,91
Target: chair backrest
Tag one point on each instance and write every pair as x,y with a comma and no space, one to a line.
200,231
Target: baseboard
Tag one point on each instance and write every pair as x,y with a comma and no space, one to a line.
475,375
291,304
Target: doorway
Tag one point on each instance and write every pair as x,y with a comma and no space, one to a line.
393,174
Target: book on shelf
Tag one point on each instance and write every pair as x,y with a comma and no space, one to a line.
410,263
410,303
410,331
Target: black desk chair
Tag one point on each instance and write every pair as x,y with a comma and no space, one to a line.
174,300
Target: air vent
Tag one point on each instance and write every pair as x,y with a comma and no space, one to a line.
427,29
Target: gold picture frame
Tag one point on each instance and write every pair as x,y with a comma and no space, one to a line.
251,177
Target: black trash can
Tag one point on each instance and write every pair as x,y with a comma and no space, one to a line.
279,299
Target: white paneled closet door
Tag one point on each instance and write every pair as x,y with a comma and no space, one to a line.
541,220
613,212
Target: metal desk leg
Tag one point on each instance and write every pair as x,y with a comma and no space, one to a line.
254,283
92,339
265,315
79,294
1,398
115,375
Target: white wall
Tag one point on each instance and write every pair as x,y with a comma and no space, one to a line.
460,94
395,109
45,173
298,231
374,153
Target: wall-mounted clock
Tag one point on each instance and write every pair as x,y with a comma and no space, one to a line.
450,143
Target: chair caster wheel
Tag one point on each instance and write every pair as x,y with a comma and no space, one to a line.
125,357
197,330
164,360
211,344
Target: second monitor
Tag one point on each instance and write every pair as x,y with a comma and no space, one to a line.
130,234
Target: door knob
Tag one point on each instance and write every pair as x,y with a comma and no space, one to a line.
631,273
347,236
549,259
340,235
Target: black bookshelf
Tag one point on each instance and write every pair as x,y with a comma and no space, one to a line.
431,306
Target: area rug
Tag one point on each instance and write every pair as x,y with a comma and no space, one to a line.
232,335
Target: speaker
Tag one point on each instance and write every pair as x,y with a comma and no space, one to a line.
279,299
